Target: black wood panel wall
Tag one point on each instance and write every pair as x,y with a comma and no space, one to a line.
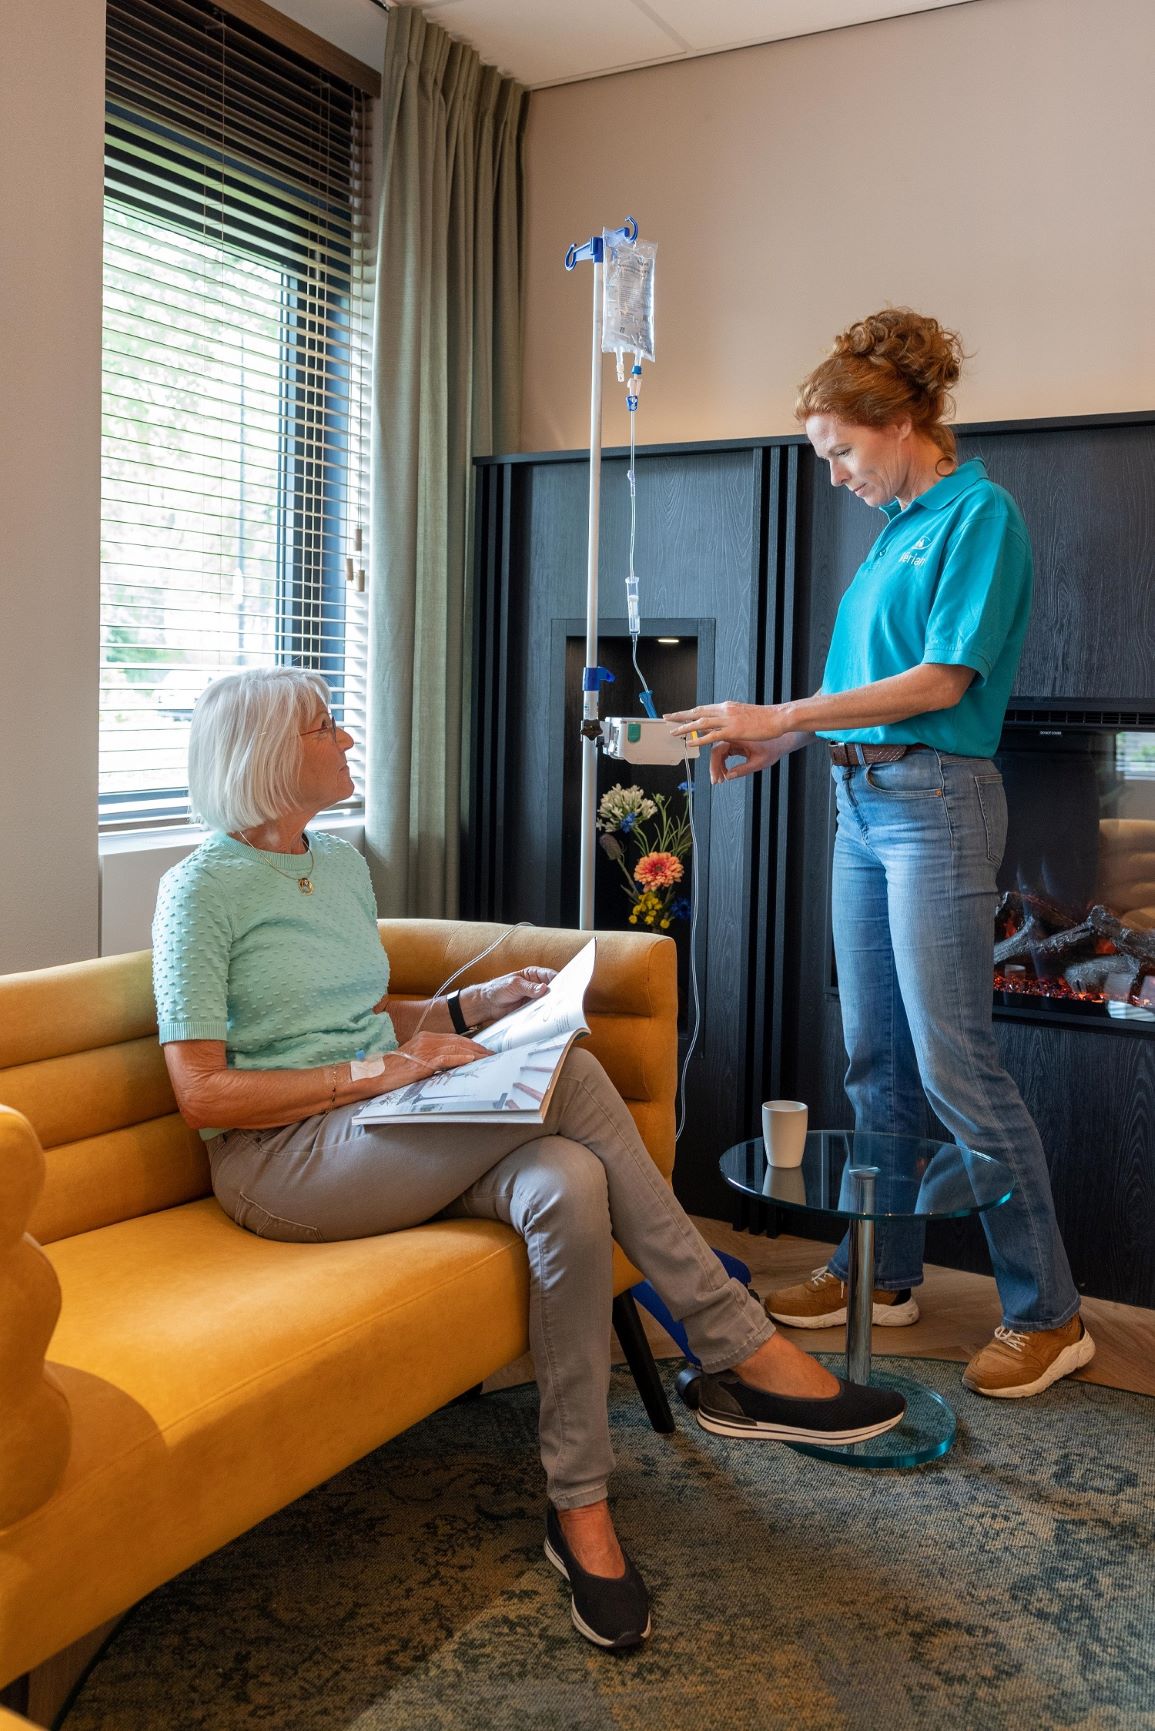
751,539
708,553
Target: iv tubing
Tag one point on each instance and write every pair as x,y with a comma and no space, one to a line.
647,696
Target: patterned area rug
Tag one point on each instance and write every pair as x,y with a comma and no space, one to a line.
1007,1588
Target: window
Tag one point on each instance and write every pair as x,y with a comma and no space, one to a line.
234,444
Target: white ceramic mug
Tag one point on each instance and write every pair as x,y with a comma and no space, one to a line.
784,1131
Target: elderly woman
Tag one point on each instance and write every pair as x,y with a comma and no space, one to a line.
922,661
273,1006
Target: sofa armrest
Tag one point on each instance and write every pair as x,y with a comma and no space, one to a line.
35,1424
631,1005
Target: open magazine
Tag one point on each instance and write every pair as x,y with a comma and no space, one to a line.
517,1080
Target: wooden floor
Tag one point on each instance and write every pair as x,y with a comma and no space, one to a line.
959,1314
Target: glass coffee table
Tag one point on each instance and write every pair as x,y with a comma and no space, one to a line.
861,1177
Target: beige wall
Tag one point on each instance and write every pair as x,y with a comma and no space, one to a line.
993,163
52,115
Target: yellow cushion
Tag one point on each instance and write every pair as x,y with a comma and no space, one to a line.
34,1420
213,1377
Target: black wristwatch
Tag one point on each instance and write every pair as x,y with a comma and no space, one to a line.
456,1015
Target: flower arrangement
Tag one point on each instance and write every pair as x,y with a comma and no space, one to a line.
633,823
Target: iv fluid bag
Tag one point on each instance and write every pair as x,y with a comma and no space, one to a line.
628,297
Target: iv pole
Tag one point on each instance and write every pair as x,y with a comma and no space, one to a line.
593,676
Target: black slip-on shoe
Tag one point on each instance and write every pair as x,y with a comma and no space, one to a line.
611,1612
727,1406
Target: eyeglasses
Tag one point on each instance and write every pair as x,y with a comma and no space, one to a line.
328,726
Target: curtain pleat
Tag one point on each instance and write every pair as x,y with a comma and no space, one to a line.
446,388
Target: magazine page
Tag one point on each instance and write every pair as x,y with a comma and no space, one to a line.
558,1012
516,1083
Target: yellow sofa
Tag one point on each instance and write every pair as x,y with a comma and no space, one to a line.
167,1379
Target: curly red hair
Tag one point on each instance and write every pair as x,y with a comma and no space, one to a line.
891,364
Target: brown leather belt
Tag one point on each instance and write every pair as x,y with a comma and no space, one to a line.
853,755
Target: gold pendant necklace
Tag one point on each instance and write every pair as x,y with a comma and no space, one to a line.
304,884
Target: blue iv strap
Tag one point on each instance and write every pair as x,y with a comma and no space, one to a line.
651,1301
593,678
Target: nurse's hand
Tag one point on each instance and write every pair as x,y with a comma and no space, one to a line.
715,722
752,755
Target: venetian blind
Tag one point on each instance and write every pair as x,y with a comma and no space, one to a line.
235,382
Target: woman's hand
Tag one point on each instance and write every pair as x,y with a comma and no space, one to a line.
493,999
717,723
428,1054
753,755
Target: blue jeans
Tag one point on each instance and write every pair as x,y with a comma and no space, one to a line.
918,845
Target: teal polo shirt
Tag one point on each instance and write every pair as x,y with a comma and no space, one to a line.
948,580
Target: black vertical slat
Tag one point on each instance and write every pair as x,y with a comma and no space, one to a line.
474,886
765,502
787,526
489,769
488,765
503,696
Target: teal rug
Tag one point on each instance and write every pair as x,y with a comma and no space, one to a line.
1009,1587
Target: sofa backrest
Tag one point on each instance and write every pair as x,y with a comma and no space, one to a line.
79,1058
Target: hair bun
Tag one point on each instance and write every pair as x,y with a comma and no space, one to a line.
895,364
916,346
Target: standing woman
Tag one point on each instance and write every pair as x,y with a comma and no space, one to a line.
923,657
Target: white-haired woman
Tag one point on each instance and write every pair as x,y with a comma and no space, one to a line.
273,1008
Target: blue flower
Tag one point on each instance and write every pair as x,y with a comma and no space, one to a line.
685,787
628,822
681,908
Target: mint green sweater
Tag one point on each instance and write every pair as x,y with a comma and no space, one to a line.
288,981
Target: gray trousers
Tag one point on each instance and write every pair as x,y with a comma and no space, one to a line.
568,1187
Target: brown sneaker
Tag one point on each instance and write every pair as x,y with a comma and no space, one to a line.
820,1302
1014,1364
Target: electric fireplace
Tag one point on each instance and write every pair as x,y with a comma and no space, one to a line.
1075,923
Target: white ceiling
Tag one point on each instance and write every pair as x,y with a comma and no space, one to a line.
541,42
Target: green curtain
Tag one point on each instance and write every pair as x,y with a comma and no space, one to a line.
446,388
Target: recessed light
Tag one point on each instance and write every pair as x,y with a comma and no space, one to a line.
669,639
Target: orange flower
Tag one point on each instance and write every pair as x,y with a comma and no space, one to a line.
657,871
